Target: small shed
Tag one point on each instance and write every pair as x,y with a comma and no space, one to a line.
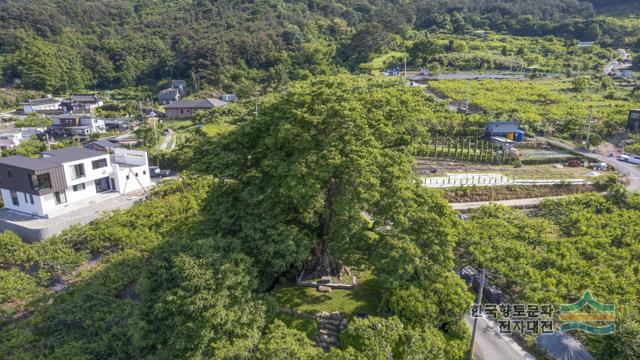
506,129
562,346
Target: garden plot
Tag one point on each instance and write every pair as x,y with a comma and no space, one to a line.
558,155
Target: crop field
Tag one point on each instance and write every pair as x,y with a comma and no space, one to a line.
526,172
549,54
543,105
531,154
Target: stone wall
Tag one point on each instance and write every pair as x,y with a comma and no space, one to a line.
329,327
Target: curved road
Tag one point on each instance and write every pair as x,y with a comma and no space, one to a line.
628,170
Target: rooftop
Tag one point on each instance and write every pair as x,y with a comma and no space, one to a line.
563,346
85,97
28,163
170,91
70,154
45,101
206,103
106,143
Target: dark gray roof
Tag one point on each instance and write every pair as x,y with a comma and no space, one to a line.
168,94
71,154
217,102
85,97
198,104
28,163
45,101
105,143
562,346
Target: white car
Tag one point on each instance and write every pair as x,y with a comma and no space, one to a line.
634,159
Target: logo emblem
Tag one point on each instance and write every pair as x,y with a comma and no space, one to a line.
598,320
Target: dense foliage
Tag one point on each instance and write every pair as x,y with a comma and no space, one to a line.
187,273
245,46
588,242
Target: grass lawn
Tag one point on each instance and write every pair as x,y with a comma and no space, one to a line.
216,129
365,298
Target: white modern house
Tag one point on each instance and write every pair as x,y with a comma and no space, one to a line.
70,125
45,186
14,137
41,105
10,140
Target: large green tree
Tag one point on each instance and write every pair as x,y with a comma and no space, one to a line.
326,169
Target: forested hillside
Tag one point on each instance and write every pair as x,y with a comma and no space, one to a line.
247,46
313,173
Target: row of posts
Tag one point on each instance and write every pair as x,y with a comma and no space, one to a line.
473,180
459,149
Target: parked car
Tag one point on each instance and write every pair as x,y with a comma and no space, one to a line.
155,171
634,159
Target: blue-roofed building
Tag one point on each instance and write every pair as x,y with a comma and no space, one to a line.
505,129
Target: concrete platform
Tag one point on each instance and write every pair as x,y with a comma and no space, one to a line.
32,229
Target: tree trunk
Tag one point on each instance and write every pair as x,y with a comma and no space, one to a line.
322,264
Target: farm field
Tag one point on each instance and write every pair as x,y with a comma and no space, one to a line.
532,172
503,52
550,106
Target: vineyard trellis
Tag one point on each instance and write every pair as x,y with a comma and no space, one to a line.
465,149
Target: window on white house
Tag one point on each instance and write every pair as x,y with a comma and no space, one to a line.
98,164
77,171
60,197
31,198
14,198
78,187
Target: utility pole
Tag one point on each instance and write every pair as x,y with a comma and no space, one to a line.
475,318
48,143
589,128
155,130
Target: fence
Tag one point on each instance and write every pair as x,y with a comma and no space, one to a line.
457,180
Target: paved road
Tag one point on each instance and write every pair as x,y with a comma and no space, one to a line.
491,345
629,171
